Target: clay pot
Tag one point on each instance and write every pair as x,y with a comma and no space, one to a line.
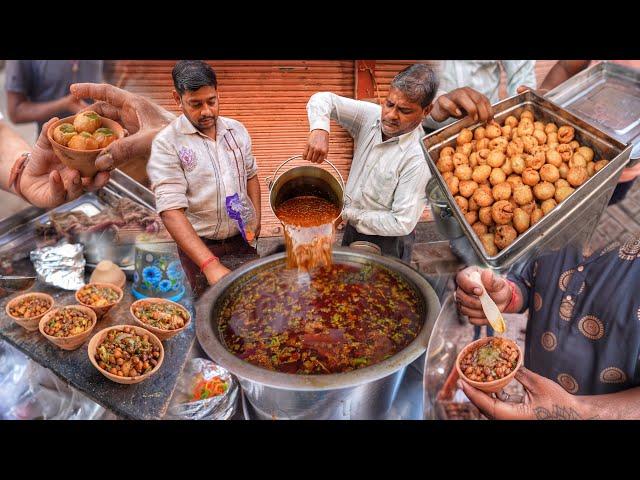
74,341
81,160
108,272
30,323
495,385
97,340
102,311
159,332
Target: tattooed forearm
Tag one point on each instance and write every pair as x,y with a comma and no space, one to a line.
559,412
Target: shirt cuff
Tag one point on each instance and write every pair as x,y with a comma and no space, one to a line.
319,124
171,201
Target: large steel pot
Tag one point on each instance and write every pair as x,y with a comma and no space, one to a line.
365,393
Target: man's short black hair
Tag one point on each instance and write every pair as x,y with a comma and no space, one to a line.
419,82
192,75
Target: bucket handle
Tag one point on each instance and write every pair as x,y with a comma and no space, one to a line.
270,180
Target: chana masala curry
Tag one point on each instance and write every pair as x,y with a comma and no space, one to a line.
341,318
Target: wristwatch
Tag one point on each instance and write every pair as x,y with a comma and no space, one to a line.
16,173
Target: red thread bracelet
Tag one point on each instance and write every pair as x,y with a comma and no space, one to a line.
209,260
513,295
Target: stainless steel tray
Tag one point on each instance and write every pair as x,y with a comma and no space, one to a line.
575,219
607,95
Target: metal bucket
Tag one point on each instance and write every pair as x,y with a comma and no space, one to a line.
306,180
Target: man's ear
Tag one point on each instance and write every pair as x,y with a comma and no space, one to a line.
176,98
426,110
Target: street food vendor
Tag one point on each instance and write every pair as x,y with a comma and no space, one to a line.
389,172
197,162
583,333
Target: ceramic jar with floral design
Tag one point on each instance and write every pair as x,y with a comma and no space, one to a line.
158,272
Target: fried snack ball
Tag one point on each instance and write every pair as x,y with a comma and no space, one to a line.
511,121
515,147
480,228
499,143
577,176
447,175
526,114
478,133
483,198
536,215
502,191
482,144
495,158
484,215
523,194
445,164
529,142
518,164
467,187
550,128
506,167
544,190
488,242
525,128
463,172
104,137
538,125
502,212
552,138
529,207
460,159
492,131
471,217
561,183
521,220
540,136
506,131
88,121
565,134
481,173
565,151
465,136
454,185
562,193
514,134
548,205
497,176
83,141
586,152
577,161
462,202
574,145
447,152
483,155
473,159
465,149
553,157
600,164
591,169
504,236
530,177
63,133
514,180
564,170
549,173
473,205
537,160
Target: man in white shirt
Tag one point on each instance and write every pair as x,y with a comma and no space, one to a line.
198,163
388,173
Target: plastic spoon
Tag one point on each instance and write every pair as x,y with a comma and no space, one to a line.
489,307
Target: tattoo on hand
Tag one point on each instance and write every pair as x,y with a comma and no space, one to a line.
559,412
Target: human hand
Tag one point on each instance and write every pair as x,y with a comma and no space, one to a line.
73,104
141,118
47,183
215,271
460,100
317,146
544,399
539,91
629,174
468,292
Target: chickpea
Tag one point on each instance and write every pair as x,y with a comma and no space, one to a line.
488,242
465,136
495,159
506,167
471,217
504,236
478,133
600,164
544,190
482,198
484,215
586,152
480,228
550,128
502,212
460,159
577,176
521,220
523,194
492,131
563,170
518,163
481,173
548,205
447,152
511,121
536,215
577,161
463,172
467,187
497,176
530,177
562,193
540,136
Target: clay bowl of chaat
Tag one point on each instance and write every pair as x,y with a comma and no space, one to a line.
126,354
68,327
489,364
99,297
78,140
27,309
162,317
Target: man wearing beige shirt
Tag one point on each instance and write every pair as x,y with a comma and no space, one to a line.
388,173
197,163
